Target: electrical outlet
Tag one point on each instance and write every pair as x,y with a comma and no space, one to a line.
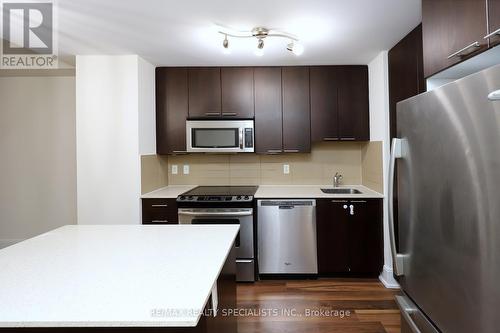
186,169
286,169
175,169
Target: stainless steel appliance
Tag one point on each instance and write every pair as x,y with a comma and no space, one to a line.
224,205
220,136
448,166
287,237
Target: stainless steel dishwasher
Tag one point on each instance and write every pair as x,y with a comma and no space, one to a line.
287,237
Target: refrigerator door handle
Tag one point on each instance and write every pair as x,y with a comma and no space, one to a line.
494,95
408,309
397,259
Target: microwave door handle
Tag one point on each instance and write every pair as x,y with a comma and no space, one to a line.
241,138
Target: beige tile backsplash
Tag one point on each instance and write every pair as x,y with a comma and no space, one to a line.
153,172
318,167
372,166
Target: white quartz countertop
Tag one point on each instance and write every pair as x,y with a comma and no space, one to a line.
311,191
112,276
168,192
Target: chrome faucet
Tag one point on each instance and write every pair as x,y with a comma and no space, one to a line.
336,179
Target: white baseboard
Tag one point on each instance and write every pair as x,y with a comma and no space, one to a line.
9,242
388,279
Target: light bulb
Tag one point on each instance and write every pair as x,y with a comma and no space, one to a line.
259,52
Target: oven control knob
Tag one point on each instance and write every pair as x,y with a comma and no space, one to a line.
238,197
246,197
182,197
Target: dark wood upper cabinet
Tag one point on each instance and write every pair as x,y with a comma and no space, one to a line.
324,103
296,109
406,74
237,92
450,26
205,92
494,20
353,103
268,110
171,109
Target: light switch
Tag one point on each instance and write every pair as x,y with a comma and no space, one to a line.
286,169
186,169
174,169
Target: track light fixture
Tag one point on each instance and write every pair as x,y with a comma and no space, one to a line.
262,33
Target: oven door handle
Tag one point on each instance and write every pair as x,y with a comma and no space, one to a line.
247,212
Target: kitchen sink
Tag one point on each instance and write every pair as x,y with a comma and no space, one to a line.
341,191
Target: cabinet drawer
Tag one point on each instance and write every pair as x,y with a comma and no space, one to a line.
159,211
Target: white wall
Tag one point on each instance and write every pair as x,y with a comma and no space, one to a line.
147,115
112,92
38,157
379,131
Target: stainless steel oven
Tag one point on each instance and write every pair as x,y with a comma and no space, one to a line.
220,136
244,241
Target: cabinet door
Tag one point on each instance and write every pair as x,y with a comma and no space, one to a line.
448,27
296,109
353,103
494,20
204,92
324,106
159,211
333,236
268,110
171,109
365,236
237,92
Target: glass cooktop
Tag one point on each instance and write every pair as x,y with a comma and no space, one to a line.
221,191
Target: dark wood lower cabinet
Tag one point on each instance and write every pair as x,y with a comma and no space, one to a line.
159,211
350,239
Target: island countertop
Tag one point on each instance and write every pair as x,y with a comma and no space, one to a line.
112,276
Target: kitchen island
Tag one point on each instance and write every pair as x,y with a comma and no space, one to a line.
136,278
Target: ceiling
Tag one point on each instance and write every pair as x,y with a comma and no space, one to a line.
184,32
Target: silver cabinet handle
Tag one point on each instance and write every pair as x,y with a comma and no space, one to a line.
339,201
494,95
229,114
330,139
179,152
291,150
159,221
159,205
358,201
347,139
397,259
274,151
461,51
406,311
244,261
496,32
212,114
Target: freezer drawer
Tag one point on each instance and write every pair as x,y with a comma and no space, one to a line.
412,319
287,237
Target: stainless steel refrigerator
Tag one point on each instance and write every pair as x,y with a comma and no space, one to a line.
447,154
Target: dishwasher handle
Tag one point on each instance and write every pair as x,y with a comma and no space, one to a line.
286,207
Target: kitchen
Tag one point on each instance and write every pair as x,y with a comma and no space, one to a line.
282,181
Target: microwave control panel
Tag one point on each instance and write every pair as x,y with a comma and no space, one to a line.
248,137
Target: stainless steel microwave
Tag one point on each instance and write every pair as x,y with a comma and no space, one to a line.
220,136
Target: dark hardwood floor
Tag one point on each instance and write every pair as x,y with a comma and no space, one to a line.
317,306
